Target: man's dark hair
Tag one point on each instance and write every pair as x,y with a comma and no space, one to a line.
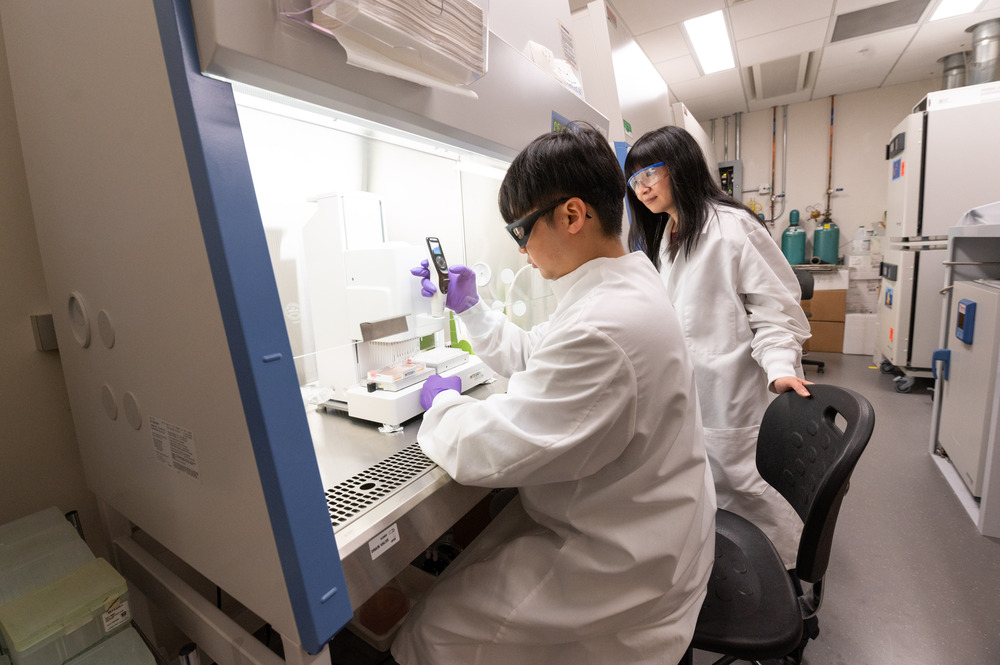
578,162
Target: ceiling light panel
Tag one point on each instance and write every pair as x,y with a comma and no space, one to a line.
709,37
642,16
949,8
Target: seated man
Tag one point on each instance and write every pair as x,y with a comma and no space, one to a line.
605,555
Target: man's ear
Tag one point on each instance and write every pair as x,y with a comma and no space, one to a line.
577,215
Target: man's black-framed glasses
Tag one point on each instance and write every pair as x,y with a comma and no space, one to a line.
520,229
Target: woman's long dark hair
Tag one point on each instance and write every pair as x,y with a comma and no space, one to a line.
692,185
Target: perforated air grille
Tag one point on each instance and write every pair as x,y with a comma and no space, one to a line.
353,496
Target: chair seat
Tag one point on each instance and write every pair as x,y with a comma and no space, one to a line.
751,610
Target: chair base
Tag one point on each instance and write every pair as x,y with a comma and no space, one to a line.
818,364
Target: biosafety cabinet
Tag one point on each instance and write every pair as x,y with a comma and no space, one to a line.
170,216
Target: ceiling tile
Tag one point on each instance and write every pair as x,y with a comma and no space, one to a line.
848,6
678,70
663,44
841,80
790,41
862,51
908,72
725,84
709,108
642,16
793,98
760,17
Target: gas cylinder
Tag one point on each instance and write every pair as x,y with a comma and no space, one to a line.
793,240
826,243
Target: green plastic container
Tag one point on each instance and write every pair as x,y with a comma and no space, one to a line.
61,619
124,648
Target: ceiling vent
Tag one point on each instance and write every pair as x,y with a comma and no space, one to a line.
879,18
784,76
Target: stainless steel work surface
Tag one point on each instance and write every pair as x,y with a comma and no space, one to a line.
387,500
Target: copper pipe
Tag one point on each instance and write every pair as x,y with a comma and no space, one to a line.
829,171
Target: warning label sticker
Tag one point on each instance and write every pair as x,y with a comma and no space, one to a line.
174,447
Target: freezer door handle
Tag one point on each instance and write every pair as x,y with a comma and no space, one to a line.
944,355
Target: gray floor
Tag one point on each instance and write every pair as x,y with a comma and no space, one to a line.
910,581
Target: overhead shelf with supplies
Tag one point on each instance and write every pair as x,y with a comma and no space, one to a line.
441,44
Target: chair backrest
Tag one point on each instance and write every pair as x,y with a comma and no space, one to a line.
807,454
806,283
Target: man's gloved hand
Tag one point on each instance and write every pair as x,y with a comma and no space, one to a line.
434,384
462,292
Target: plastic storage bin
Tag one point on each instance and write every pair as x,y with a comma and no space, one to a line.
379,618
65,617
42,552
124,648
30,525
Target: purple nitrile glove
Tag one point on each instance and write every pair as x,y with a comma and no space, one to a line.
436,383
462,292
427,288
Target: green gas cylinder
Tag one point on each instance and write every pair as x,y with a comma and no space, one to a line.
826,243
793,240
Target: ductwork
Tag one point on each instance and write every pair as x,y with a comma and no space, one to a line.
985,62
954,70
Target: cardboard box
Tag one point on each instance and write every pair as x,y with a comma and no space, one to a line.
826,305
859,334
826,336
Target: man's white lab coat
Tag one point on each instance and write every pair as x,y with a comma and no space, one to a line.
738,303
605,556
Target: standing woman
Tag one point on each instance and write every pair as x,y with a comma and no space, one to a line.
738,302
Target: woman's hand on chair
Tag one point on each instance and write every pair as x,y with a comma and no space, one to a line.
786,383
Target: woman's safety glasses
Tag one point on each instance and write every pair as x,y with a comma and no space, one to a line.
520,229
646,177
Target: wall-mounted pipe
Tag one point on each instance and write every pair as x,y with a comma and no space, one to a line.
739,132
829,171
784,156
774,145
725,141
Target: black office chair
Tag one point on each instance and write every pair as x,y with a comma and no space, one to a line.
806,281
807,449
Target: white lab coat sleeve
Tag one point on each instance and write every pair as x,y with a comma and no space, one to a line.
771,295
502,345
568,414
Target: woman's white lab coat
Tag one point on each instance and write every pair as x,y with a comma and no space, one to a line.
738,302
605,556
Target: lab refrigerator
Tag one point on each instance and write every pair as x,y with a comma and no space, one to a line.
968,390
939,159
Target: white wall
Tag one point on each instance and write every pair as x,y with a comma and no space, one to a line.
862,124
39,461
